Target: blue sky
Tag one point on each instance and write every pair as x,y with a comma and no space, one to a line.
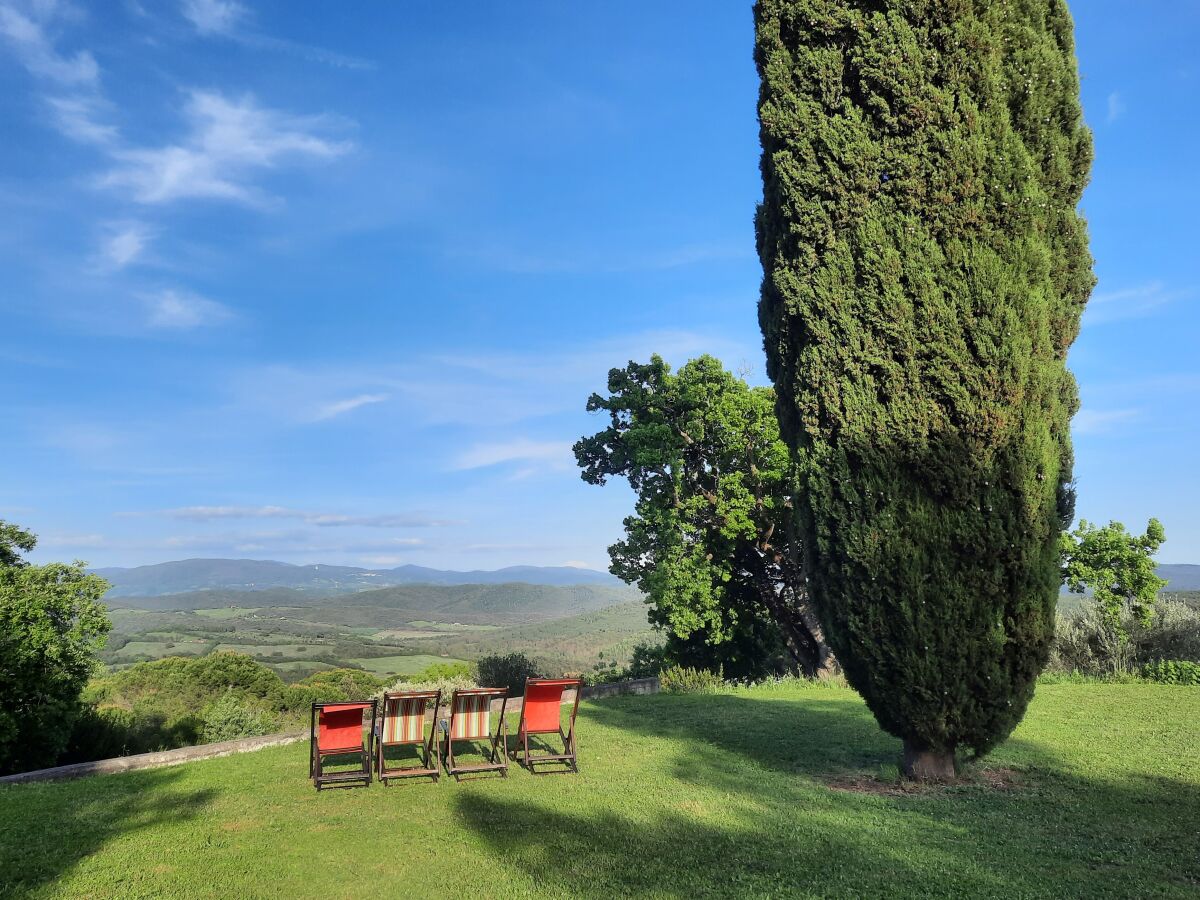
287,282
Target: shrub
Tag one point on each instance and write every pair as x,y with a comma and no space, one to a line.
681,680
329,685
440,671
1172,671
647,660
1085,643
506,671
446,685
233,717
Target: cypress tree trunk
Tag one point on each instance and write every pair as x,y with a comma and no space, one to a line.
925,269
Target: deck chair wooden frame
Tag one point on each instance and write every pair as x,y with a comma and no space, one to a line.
332,732
401,724
541,713
470,720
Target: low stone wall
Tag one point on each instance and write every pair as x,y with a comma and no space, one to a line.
154,760
246,745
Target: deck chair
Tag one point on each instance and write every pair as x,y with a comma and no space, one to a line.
470,720
336,729
403,724
541,713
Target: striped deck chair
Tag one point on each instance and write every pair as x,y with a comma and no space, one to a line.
336,729
470,720
541,713
403,724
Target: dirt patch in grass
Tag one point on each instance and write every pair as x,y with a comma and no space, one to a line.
999,778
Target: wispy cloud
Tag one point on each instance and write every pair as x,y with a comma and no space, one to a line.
231,20
1116,107
26,36
181,311
545,454
214,16
79,117
122,245
1089,421
228,141
1129,303
322,519
341,407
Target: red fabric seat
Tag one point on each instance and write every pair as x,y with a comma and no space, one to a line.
542,709
340,728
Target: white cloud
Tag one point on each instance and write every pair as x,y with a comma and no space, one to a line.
78,117
1088,421
340,407
123,244
214,16
180,311
1128,303
37,53
322,519
228,140
546,454
1116,107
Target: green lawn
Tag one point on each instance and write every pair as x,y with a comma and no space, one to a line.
402,665
742,794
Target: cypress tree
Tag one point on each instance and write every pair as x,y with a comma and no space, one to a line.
925,270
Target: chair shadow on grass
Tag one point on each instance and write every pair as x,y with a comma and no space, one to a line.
50,828
734,827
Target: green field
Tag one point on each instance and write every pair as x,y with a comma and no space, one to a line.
159,649
402,665
784,791
227,612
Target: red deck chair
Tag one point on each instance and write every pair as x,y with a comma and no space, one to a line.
403,724
336,729
470,720
541,713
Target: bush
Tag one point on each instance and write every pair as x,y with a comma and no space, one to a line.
1172,671
647,661
1085,644
440,671
681,680
506,671
446,685
233,717
326,686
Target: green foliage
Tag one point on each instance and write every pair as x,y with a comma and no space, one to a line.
1172,671
684,680
647,661
509,670
333,684
14,540
924,273
1085,642
710,539
232,717
1116,566
439,671
51,625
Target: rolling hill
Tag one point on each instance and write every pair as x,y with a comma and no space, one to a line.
184,575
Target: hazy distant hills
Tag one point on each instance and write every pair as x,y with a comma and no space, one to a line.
508,603
186,575
1180,576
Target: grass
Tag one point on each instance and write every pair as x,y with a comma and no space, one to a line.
159,649
402,665
742,794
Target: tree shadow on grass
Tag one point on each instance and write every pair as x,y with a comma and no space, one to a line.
50,828
740,804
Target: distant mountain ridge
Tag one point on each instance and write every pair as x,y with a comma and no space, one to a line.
184,575
1180,576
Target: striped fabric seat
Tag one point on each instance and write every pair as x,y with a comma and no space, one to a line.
404,720
471,717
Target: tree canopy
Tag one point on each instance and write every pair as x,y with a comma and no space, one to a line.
51,624
924,272
1116,566
711,541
